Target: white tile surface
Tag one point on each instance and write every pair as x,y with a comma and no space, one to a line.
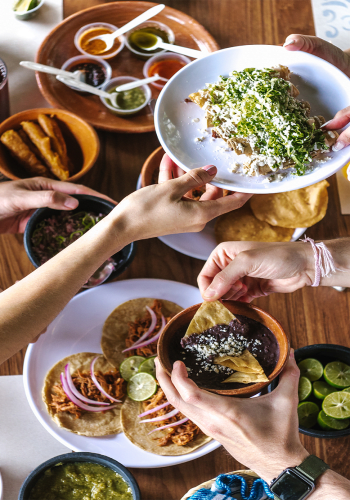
332,21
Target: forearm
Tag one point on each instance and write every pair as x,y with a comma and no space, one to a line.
31,304
340,250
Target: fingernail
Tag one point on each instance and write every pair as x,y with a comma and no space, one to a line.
211,169
291,354
290,42
209,293
329,121
71,203
338,146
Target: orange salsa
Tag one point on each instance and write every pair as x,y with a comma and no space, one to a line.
166,68
96,47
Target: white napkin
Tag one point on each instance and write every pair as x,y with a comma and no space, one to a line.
24,443
19,41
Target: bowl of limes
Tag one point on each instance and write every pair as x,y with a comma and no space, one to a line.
324,390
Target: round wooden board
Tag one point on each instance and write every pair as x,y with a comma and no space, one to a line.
58,46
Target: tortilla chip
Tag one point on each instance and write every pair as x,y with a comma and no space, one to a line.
246,378
116,327
208,315
301,208
242,225
89,424
138,433
245,363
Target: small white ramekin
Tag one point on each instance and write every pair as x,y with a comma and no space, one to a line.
88,27
24,16
81,59
120,80
162,57
153,24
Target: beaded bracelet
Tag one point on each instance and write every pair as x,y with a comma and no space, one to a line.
324,262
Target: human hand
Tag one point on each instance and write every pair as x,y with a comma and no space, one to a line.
19,199
340,59
162,209
261,433
243,270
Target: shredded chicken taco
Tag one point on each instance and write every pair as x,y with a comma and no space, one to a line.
92,413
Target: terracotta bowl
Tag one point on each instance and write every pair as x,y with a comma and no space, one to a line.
184,318
150,169
82,142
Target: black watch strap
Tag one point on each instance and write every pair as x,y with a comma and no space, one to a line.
312,467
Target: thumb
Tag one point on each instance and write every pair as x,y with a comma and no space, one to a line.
50,199
194,179
289,379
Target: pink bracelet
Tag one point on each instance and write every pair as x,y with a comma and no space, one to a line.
324,262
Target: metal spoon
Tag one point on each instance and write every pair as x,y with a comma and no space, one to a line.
139,83
76,75
185,51
89,88
109,38
101,274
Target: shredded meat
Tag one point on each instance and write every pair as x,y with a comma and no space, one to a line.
140,326
111,382
180,434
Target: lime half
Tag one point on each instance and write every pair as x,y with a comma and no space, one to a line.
148,366
307,413
337,405
142,386
331,424
130,366
322,389
311,368
305,388
337,374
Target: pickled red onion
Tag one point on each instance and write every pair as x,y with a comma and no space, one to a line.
162,417
153,410
98,385
75,390
149,341
169,425
77,401
151,328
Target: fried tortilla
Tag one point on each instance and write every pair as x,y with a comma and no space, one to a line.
43,143
246,378
242,225
300,208
208,315
89,424
22,153
137,433
116,328
52,130
245,363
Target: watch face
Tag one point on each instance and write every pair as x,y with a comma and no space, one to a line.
291,487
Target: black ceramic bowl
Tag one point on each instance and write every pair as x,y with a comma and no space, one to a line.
79,457
325,353
86,203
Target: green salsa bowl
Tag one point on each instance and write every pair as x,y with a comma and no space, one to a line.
78,458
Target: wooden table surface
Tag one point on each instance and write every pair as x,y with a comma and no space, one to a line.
309,316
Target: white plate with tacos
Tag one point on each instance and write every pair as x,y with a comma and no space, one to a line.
73,340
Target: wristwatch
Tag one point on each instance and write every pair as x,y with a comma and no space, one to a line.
297,483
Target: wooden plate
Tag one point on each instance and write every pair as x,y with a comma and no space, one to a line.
58,46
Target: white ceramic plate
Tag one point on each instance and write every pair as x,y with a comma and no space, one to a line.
78,328
324,86
200,245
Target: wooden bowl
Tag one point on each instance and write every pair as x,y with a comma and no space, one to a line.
184,318
150,169
82,142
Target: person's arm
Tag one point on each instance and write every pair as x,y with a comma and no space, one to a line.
27,307
243,270
261,433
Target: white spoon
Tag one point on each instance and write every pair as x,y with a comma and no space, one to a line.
185,51
139,83
76,75
109,38
89,88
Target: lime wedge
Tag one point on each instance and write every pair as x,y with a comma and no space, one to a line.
311,368
337,374
25,5
148,366
322,389
337,405
305,388
130,366
331,424
141,387
346,390
307,413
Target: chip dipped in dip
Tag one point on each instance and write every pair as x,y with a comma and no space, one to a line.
223,351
